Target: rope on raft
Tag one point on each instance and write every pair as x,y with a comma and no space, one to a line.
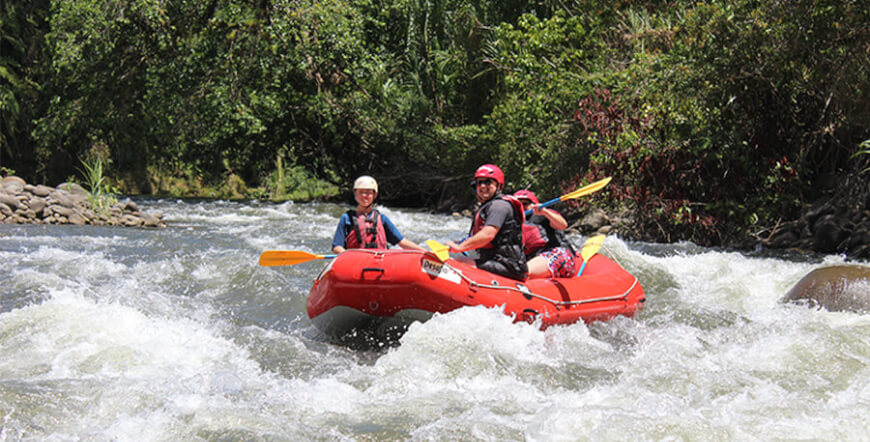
522,289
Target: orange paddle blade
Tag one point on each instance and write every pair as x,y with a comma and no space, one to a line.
272,258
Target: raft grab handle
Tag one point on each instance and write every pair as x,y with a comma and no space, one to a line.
372,269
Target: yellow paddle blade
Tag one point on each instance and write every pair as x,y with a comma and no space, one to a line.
440,250
591,247
271,258
586,190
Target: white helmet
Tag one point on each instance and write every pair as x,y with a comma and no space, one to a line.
365,182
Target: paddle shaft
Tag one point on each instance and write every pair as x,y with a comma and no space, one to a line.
594,187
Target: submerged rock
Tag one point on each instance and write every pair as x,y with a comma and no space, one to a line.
837,288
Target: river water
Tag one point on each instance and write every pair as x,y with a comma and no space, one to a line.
177,334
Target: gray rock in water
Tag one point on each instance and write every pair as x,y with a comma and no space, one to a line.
594,221
11,201
13,184
41,190
70,203
837,288
78,219
73,188
37,204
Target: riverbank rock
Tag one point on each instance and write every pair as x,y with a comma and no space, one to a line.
837,222
836,288
68,203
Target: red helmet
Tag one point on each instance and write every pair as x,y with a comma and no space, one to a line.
490,171
526,194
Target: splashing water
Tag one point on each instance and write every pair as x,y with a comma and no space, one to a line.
178,334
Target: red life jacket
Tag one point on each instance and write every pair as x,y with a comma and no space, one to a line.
371,236
535,238
538,236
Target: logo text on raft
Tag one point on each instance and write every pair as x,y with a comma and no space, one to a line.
439,270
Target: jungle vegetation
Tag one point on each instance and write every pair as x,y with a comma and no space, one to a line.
714,118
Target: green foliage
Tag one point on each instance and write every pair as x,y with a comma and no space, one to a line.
863,153
711,116
546,65
297,184
20,37
101,196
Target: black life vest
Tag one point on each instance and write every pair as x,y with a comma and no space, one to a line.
507,246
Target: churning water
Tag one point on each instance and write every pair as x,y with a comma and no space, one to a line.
177,334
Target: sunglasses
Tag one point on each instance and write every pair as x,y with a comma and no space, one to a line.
486,182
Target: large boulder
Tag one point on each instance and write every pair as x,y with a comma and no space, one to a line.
74,189
12,184
10,201
836,288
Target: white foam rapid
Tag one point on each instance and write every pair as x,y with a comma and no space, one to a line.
177,334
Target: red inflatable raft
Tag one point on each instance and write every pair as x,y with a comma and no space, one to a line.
386,290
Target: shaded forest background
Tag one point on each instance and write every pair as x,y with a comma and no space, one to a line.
718,120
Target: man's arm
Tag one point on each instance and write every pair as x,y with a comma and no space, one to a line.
480,239
340,238
557,221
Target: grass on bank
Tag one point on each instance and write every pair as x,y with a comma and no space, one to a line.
101,194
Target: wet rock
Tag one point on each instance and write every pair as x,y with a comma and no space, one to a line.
836,288
10,201
41,190
77,219
61,210
73,188
594,221
131,220
828,233
37,204
62,199
151,220
13,184
604,230
69,203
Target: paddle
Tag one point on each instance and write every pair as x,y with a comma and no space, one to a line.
441,251
271,258
585,190
590,248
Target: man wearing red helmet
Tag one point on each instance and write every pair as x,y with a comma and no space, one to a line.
496,232
549,253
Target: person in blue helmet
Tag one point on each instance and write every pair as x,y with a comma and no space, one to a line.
496,232
365,227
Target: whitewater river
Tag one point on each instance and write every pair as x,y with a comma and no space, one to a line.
177,334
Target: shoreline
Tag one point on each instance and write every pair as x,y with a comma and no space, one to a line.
68,203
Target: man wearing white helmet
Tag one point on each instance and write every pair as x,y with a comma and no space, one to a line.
365,227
